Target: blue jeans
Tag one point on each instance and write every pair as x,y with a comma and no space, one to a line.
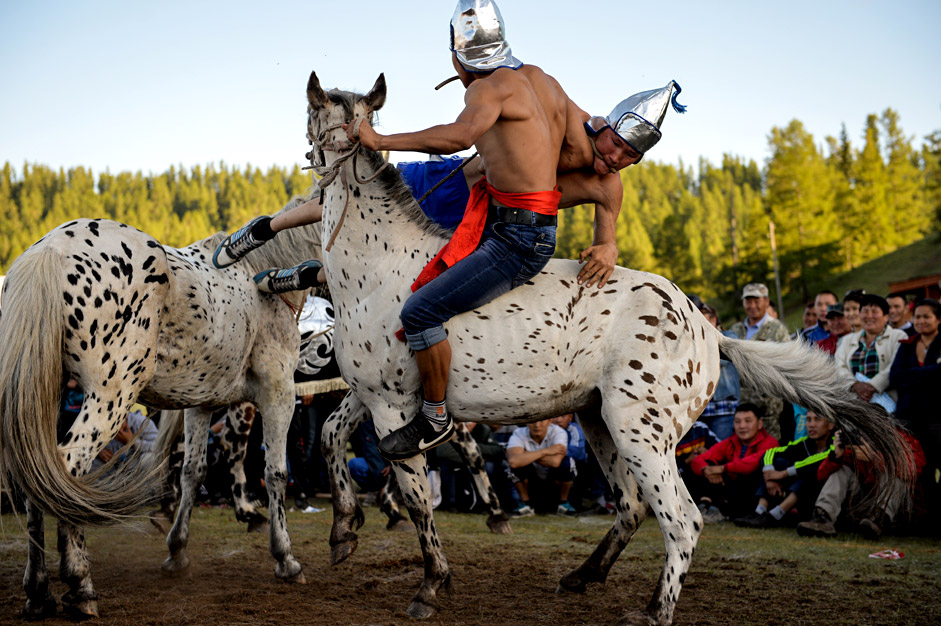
508,256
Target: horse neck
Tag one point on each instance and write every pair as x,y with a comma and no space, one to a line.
382,233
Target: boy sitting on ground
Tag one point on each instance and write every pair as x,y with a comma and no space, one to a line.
790,475
727,476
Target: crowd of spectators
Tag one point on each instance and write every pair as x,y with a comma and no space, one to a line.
786,466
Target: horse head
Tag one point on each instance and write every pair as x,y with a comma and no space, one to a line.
329,111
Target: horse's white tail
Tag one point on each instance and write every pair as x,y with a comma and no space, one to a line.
807,376
31,376
171,427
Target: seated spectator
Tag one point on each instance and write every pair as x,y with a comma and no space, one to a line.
458,492
135,422
809,320
865,358
535,453
838,326
721,407
576,456
812,335
916,375
847,474
697,440
852,303
728,474
368,469
790,475
900,315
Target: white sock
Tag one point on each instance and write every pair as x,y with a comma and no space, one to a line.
436,413
761,509
777,512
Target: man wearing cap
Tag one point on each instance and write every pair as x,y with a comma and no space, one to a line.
760,326
865,358
837,325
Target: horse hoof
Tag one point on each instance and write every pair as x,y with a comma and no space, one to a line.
342,551
501,528
258,525
81,610
571,583
420,610
176,567
37,611
636,618
296,579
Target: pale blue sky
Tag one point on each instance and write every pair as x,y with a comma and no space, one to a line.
142,86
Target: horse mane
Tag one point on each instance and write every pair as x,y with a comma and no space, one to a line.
390,180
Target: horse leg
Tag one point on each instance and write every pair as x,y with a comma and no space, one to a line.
40,603
196,426
276,403
347,513
498,521
80,601
631,509
389,504
238,425
650,457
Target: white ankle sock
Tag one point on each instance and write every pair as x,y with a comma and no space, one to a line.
436,413
777,512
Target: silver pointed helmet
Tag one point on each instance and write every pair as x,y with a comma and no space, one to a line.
638,118
478,37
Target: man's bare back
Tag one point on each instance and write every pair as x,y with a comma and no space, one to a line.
521,150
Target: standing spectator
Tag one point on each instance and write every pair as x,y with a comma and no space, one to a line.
916,374
535,454
865,358
759,326
852,303
900,316
728,474
576,456
720,410
808,321
824,299
790,475
839,327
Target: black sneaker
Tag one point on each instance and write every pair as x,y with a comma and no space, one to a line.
301,276
414,438
237,245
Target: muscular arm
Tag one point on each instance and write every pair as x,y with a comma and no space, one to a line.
483,105
605,192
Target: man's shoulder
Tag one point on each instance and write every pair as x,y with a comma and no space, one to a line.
773,330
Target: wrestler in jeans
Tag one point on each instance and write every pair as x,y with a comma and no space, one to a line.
509,255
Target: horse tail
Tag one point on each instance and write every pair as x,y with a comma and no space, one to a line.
171,428
32,339
807,376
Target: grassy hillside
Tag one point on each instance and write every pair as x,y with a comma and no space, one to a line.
918,259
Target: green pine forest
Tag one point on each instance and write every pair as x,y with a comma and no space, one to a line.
835,204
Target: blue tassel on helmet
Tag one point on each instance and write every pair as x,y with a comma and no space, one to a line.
679,108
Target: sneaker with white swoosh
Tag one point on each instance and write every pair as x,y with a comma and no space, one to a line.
414,438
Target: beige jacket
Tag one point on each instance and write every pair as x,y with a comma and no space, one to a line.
887,344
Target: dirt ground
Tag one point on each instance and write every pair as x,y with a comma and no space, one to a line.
738,576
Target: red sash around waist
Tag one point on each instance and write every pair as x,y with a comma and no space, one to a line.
467,235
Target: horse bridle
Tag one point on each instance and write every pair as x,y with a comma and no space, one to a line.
329,174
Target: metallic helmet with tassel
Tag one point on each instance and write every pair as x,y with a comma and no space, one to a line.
638,118
478,37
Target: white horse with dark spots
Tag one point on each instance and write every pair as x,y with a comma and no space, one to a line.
635,359
134,321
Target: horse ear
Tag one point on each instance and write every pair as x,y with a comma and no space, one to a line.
377,95
315,95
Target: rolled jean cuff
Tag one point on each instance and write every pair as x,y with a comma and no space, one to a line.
424,339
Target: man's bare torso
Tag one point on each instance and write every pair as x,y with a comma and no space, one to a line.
521,150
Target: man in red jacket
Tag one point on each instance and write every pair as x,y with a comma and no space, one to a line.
730,471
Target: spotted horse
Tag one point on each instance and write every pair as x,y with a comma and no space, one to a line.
635,359
133,321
